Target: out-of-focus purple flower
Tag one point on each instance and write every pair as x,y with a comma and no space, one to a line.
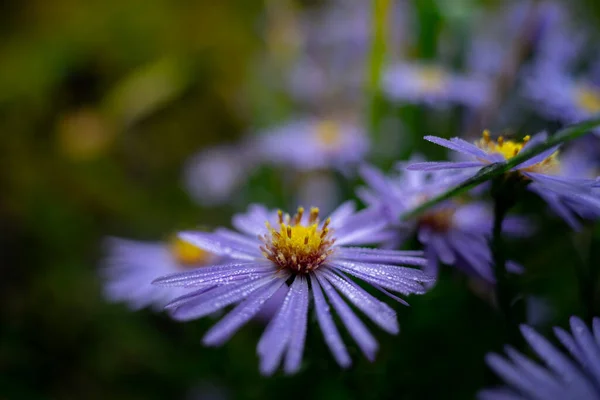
130,267
434,85
455,233
313,143
542,24
212,176
570,375
560,96
314,259
569,196
337,40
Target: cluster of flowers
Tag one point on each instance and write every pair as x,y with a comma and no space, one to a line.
275,265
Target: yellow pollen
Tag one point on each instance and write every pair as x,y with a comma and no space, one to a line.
510,148
187,254
328,134
431,78
588,98
506,148
300,247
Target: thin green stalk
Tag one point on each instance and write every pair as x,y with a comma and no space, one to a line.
497,169
376,63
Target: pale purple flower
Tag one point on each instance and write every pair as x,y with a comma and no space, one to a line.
130,266
314,143
455,232
573,374
557,95
434,85
213,176
499,29
569,196
313,260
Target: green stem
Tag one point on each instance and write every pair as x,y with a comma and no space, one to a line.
376,63
503,290
497,169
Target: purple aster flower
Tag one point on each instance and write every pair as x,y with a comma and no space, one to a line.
434,85
313,260
455,232
570,375
130,267
569,196
213,175
558,95
313,143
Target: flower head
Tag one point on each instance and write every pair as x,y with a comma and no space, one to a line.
434,85
313,143
130,267
546,174
455,232
574,374
213,175
559,96
310,258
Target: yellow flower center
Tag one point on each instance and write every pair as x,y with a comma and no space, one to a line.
188,255
295,246
588,98
510,148
432,79
328,134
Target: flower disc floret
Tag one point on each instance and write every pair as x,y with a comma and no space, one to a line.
295,246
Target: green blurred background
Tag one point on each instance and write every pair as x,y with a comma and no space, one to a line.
101,103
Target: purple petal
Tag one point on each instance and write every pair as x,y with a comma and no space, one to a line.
440,165
556,361
458,145
253,221
218,299
443,250
375,179
274,340
380,256
354,325
379,312
241,314
398,279
499,394
557,206
330,333
537,159
360,226
340,214
216,274
221,246
513,376
587,344
540,377
299,324
569,343
596,327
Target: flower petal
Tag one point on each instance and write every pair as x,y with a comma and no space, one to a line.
221,246
295,348
356,328
379,312
330,332
242,313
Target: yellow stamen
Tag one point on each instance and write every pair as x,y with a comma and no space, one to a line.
297,246
187,254
328,134
510,148
588,98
